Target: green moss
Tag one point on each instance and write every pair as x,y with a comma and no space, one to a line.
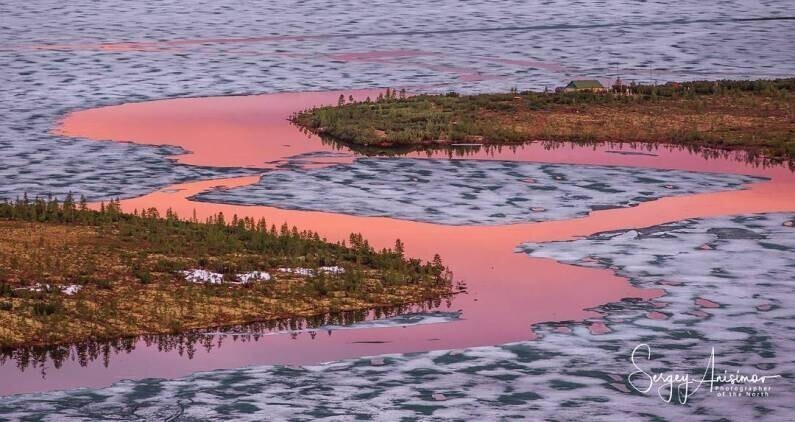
753,115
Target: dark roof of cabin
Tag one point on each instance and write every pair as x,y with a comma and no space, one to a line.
585,84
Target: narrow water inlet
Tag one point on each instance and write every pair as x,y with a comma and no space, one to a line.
508,292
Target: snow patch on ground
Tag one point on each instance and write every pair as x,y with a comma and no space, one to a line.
309,272
209,277
69,290
248,277
331,269
203,276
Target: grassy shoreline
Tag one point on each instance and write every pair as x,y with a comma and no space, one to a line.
754,116
69,274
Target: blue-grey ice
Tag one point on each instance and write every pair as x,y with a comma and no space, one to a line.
58,56
459,192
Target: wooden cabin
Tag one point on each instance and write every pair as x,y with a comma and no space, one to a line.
585,85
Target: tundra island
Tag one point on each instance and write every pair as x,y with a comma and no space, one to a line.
71,274
755,116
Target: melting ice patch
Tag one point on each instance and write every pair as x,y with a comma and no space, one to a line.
469,192
401,321
737,296
419,318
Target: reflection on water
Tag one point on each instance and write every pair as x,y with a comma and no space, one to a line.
508,292
750,158
188,343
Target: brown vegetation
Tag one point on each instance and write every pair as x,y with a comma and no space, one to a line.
756,116
128,269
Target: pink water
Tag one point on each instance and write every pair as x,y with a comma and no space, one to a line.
507,291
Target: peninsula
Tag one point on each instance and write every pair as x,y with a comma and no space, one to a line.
755,116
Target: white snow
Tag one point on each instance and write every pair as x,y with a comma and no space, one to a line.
71,289
245,278
298,270
308,272
68,290
203,276
332,270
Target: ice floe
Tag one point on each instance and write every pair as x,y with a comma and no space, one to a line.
404,320
422,318
469,192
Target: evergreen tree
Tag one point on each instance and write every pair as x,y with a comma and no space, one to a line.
399,247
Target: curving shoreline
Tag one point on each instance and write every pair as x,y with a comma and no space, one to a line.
71,274
753,116
503,302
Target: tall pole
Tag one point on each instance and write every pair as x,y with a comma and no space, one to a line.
651,74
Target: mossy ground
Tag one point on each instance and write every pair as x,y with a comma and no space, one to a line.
756,116
128,269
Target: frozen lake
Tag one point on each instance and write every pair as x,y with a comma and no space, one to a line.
571,256
58,57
